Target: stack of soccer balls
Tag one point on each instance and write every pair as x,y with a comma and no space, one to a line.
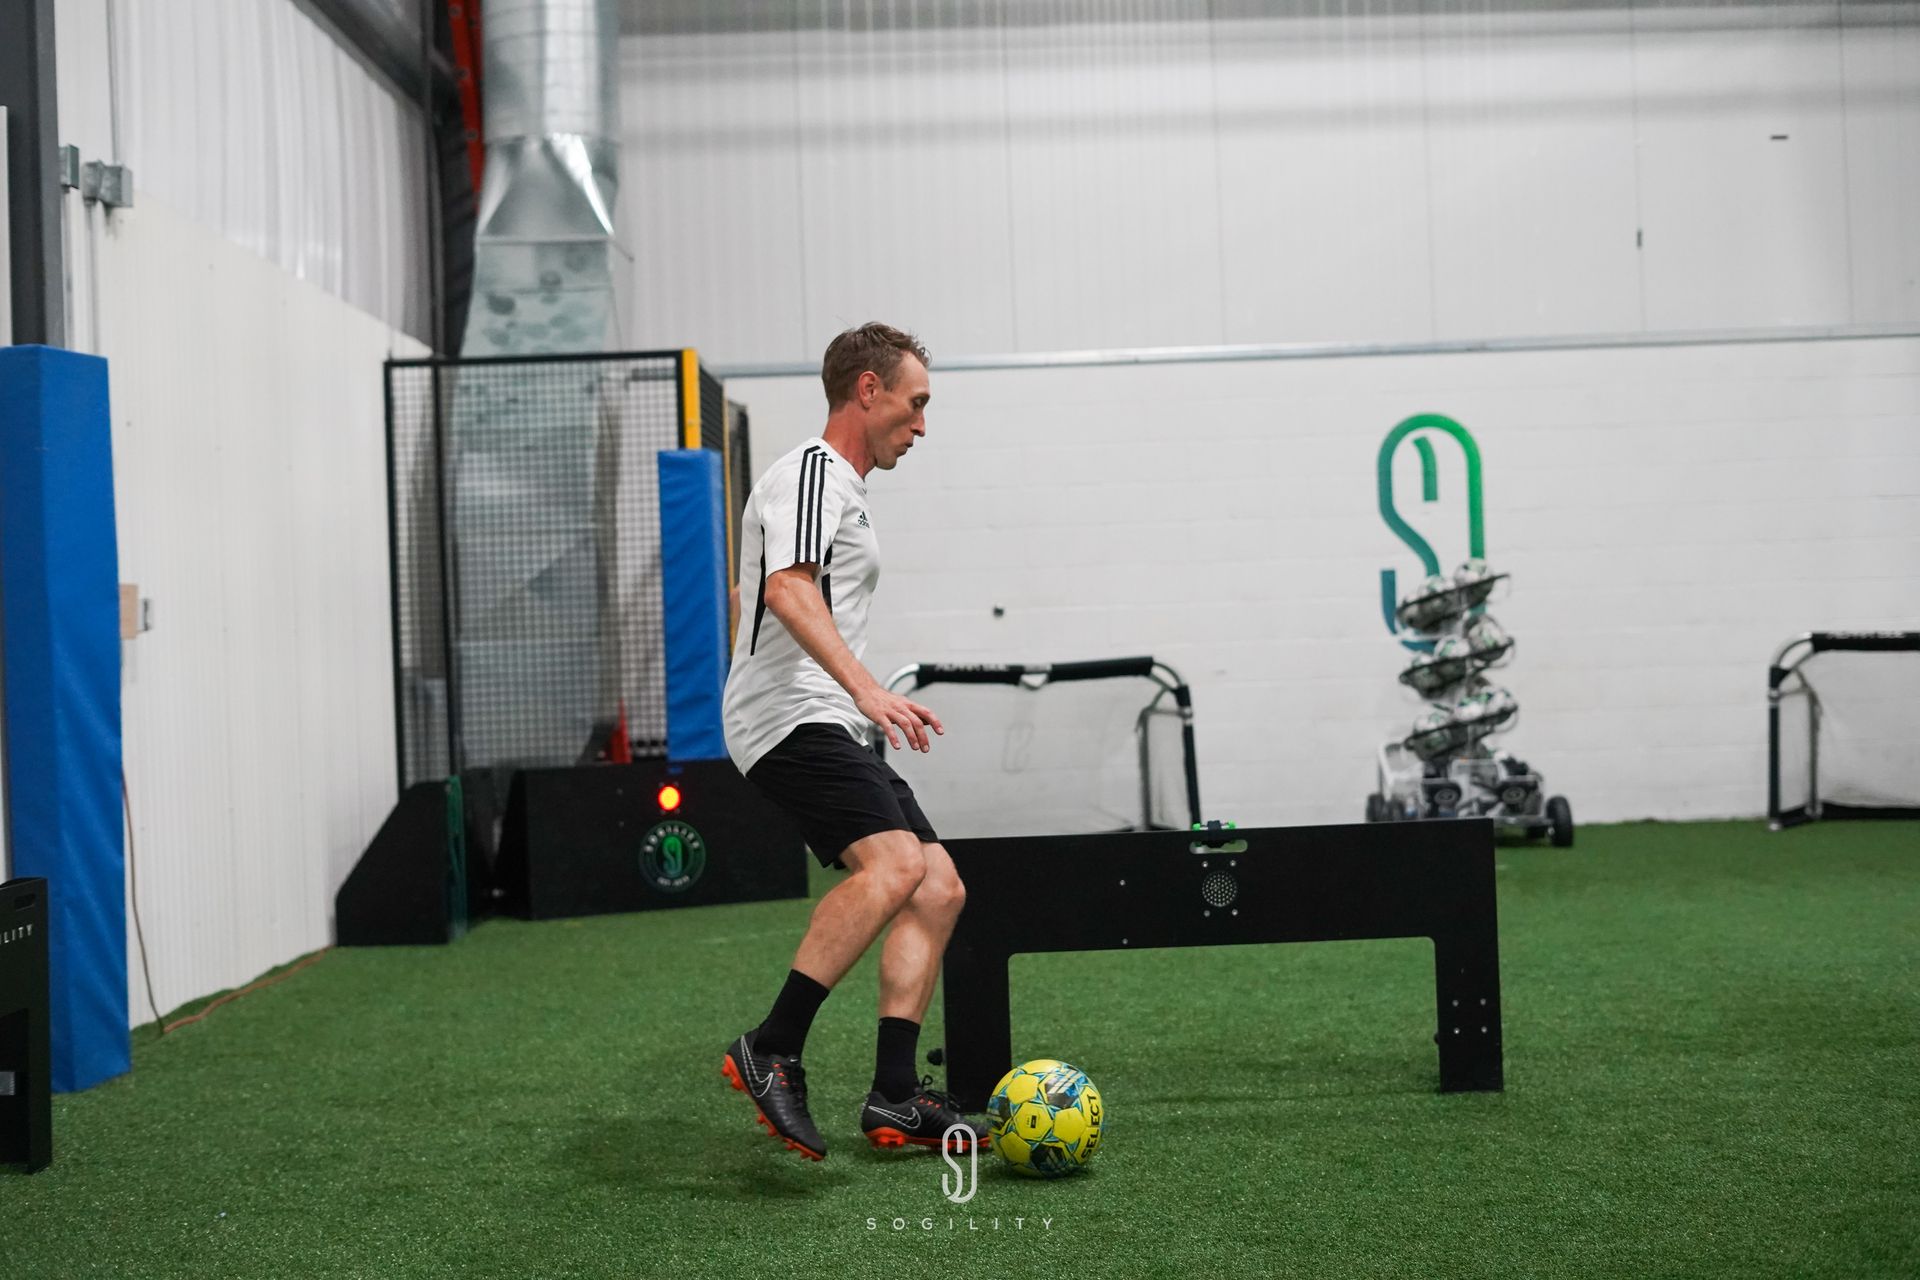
1464,706
1446,767
1044,1118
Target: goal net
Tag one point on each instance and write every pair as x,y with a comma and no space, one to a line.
1844,727
1056,749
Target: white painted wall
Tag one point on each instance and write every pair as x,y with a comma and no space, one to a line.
250,488
1039,175
247,116
1669,515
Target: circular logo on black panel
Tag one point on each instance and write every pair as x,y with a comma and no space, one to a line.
672,856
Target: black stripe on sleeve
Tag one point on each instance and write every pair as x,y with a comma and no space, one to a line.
821,543
814,477
760,605
826,580
800,506
810,506
822,537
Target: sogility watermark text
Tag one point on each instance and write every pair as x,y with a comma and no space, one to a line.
959,1224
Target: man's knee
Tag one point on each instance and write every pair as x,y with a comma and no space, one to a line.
894,863
943,896
940,891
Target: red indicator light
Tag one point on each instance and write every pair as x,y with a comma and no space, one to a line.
669,797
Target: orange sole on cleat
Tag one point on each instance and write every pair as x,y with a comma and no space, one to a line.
889,1139
732,1073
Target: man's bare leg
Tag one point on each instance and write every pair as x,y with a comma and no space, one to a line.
885,872
901,1110
909,967
910,961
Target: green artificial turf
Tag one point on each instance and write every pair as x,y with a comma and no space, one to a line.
1712,1036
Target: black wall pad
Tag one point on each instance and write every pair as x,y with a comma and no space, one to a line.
590,839
26,1037
1221,888
483,794
35,197
410,886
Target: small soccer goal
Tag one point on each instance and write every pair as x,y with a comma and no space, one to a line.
1843,727
1056,748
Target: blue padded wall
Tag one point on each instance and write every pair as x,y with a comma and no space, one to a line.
60,653
693,591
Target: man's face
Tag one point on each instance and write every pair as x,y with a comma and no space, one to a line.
898,415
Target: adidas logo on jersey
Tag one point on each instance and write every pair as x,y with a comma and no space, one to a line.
862,522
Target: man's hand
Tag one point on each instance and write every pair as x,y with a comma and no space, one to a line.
890,709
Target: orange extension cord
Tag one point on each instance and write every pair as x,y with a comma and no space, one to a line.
253,986
126,800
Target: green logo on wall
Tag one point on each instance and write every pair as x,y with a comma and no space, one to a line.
672,856
1411,431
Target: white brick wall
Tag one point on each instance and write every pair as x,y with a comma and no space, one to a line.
1670,516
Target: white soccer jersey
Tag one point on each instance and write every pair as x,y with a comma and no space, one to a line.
809,508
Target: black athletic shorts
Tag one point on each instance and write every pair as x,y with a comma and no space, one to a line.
836,791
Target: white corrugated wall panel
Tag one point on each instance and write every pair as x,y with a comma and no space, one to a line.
251,494
1742,165
904,179
1110,148
1324,199
248,117
710,195
1532,169
1059,176
1880,56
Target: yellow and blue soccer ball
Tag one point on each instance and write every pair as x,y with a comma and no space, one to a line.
1044,1118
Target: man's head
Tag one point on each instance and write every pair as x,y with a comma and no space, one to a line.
876,382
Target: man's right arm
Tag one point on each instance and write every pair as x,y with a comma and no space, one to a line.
793,596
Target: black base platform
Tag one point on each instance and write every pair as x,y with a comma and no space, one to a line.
1182,889
26,1028
594,838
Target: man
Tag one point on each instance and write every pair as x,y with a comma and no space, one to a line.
798,709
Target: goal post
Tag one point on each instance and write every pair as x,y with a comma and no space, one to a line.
1843,727
1168,783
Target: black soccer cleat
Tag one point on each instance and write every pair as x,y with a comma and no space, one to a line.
921,1121
777,1084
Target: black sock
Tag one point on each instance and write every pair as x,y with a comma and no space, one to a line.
893,1075
785,1030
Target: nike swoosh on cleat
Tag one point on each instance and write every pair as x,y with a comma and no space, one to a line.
911,1120
761,1085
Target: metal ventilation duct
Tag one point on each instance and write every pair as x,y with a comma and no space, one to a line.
543,251
536,456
